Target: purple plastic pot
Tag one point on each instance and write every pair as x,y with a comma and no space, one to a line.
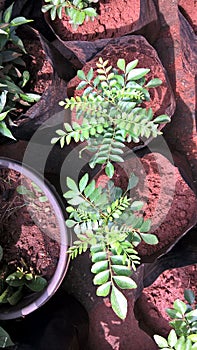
32,302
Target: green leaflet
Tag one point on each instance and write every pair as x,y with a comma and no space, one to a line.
119,303
124,282
131,65
180,306
37,284
172,338
192,315
97,248
5,131
136,205
76,200
173,313
153,83
70,223
98,198
180,343
137,222
193,337
109,170
121,64
30,97
7,14
99,266
90,12
90,74
137,73
104,289
89,189
81,85
18,21
121,270
161,342
5,295
133,181
145,226
83,182
13,281
149,238
14,298
189,296
81,75
98,256
162,119
117,259
72,185
101,277
116,158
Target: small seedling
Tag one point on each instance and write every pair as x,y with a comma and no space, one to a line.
183,336
31,194
78,11
12,285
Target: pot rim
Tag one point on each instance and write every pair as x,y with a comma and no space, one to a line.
65,240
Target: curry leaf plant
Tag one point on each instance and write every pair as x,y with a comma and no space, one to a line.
111,111
183,336
13,76
78,11
104,220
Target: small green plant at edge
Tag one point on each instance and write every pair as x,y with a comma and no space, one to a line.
105,220
78,11
30,195
12,285
5,340
183,336
111,111
12,77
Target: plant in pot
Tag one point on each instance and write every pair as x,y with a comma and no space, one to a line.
108,115
184,325
33,240
13,284
110,112
105,220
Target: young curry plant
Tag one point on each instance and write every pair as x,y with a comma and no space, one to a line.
183,336
77,10
12,285
111,111
105,220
